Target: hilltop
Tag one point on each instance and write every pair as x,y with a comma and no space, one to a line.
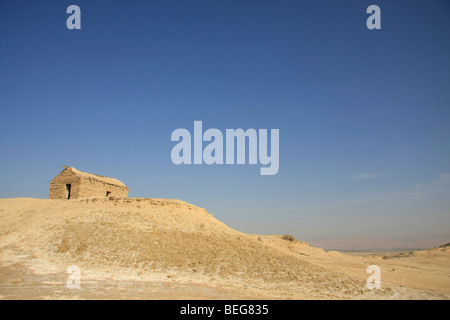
161,248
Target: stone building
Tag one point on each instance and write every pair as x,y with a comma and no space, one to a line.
72,183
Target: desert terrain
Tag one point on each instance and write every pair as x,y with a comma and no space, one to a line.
139,248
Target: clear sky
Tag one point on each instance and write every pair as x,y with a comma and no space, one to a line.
364,115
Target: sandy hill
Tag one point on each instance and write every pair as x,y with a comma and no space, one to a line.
160,248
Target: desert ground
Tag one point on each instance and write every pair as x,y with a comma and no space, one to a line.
139,248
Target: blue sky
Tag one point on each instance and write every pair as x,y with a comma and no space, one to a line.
364,115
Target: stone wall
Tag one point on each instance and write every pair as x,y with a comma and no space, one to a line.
82,187
58,188
94,188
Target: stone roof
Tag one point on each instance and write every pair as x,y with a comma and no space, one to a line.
97,177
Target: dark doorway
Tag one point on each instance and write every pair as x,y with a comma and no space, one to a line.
68,187
108,193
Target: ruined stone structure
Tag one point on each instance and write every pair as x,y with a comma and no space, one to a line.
72,184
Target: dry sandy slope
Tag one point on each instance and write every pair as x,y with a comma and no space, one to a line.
159,249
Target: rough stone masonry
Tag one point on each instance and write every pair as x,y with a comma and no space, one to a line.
73,184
